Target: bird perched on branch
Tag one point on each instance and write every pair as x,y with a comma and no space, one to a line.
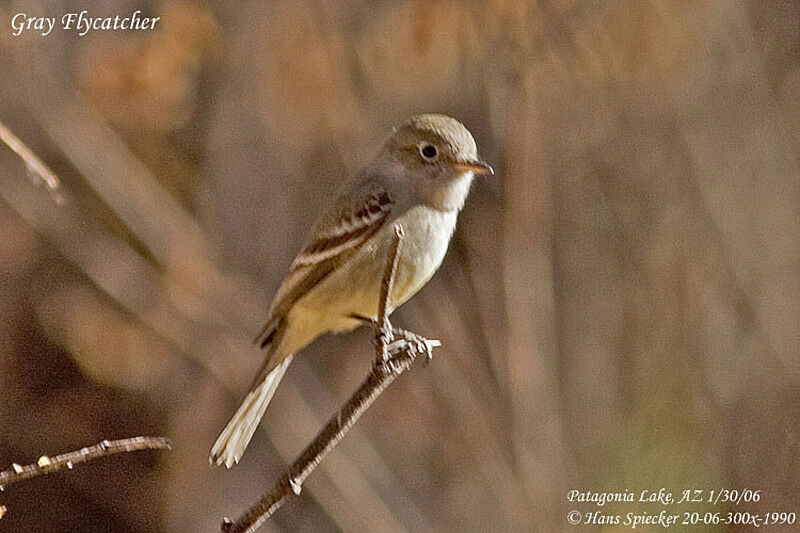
419,179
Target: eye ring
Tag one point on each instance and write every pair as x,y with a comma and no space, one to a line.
428,152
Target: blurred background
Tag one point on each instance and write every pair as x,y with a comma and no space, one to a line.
619,307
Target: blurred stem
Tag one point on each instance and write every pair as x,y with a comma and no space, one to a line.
34,164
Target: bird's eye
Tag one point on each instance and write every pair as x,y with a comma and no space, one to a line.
428,152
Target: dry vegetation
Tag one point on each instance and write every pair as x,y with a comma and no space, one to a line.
619,308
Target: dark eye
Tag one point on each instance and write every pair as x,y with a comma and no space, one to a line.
428,151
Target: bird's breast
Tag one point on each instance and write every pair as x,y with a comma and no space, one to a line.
426,237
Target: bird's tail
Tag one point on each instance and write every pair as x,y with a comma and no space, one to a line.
233,440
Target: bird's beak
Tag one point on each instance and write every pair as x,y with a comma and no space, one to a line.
478,166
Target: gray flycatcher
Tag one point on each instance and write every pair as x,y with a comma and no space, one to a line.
419,180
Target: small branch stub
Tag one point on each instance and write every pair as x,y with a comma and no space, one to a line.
396,351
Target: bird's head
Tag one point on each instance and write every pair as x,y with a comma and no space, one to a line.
438,158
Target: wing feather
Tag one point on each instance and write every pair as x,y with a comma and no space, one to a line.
351,230
330,245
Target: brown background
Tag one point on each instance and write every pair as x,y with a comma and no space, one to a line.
619,307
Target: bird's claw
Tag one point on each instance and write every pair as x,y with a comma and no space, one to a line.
395,342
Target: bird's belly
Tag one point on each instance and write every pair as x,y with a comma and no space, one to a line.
354,287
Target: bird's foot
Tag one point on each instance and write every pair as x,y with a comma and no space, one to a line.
417,344
399,346
402,352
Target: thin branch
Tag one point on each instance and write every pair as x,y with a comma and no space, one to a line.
387,284
47,465
394,358
35,165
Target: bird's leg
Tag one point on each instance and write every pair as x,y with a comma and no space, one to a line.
395,342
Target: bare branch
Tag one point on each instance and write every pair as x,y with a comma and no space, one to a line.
397,349
34,164
47,465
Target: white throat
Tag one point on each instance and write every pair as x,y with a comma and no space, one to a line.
452,196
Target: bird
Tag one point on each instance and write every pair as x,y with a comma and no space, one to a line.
419,180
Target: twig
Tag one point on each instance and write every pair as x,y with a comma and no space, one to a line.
393,358
34,164
47,465
387,284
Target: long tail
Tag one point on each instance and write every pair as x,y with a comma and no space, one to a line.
233,440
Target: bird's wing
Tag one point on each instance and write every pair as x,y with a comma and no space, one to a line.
352,221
